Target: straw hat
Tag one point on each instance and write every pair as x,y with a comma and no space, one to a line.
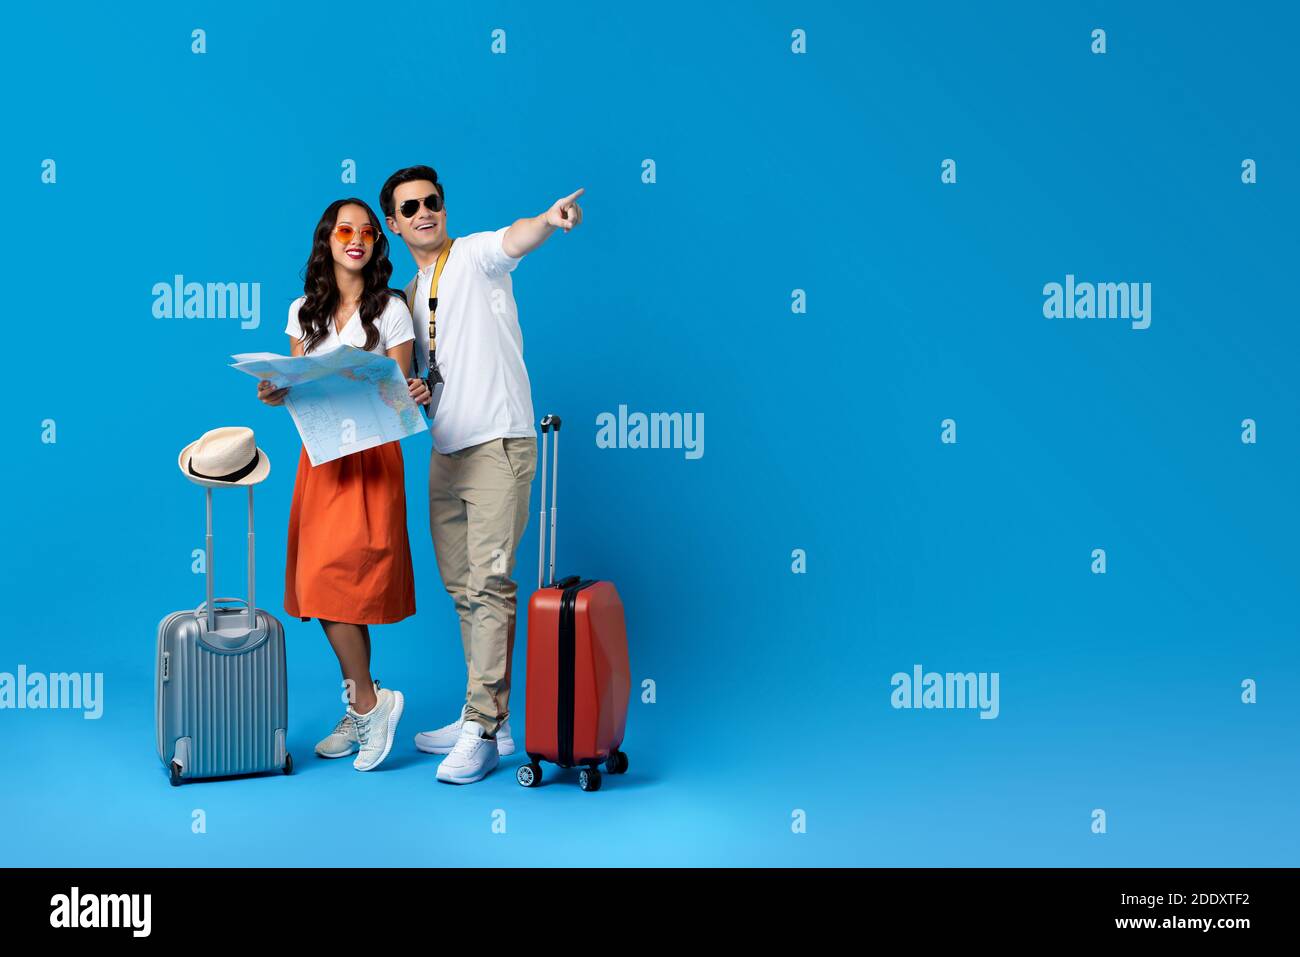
227,456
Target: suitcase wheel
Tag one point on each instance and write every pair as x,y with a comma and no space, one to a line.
529,775
175,774
589,779
288,763
617,763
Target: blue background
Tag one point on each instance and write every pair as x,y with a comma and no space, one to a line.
775,171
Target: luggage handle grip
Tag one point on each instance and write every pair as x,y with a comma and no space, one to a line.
205,615
203,606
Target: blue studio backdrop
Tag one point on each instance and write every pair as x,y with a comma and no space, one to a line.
829,232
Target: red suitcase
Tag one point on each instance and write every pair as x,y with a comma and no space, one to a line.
578,678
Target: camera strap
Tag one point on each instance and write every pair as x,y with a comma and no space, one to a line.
434,375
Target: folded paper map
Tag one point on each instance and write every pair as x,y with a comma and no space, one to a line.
342,401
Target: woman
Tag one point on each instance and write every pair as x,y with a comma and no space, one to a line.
349,562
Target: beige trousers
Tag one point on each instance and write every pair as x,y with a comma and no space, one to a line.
478,509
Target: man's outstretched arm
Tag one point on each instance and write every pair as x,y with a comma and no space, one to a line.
525,235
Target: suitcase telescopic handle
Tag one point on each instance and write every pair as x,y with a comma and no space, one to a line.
549,422
250,615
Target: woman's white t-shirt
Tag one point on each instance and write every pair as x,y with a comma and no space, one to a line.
395,327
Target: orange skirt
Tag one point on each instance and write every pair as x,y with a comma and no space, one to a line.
348,556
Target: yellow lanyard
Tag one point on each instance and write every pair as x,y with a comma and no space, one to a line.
433,311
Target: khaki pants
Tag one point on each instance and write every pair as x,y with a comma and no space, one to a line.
478,509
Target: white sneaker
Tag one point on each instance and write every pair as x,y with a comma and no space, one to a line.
473,757
444,739
342,741
375,730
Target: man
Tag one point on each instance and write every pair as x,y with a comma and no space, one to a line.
484,445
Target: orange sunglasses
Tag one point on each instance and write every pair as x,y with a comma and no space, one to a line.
344,234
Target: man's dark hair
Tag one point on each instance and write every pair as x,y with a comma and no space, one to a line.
408,175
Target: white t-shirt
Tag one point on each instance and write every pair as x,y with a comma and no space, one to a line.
486,394
394,327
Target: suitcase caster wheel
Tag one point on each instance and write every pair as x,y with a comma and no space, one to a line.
529,775
589,779
617,763
288,763
175,774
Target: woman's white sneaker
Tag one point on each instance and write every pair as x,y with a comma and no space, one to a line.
442,740
376,729
340,742
473,757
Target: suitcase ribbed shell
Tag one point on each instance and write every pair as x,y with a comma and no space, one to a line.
227,707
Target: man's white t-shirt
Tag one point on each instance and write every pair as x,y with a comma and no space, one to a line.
394,327
480,350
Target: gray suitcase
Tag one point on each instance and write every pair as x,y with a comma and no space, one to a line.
223,696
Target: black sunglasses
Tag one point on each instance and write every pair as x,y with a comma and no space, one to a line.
432,202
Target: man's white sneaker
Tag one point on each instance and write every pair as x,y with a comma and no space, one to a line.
472,759
444,739
376,729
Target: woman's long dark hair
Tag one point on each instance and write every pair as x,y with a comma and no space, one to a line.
316,314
